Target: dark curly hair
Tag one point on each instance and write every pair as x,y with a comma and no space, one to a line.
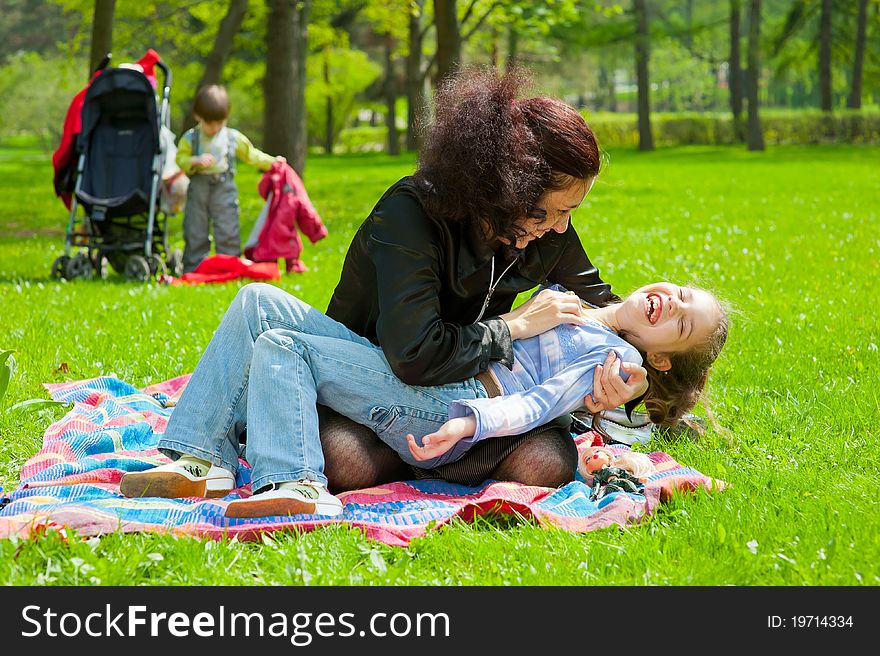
489,156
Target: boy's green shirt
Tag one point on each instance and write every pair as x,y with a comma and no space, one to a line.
245,151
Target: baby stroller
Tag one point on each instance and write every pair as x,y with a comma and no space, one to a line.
119,160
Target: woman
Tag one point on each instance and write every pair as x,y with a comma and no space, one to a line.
292,364
430,277
433,272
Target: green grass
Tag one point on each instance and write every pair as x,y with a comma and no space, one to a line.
788,237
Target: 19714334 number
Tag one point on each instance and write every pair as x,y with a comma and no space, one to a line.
810,621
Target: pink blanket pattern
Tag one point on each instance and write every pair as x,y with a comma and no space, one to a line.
73,483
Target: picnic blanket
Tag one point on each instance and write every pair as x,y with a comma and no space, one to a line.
113,428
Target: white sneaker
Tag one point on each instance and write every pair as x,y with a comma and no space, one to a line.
176,480
301,498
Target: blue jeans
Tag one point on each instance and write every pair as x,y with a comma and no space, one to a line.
270,362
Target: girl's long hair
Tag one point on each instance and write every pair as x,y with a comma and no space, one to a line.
489,156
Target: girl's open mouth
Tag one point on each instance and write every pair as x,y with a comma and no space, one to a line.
653,307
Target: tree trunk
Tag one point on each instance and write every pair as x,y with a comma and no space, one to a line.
213,73
284,83
855,92
604,82
415,96
392,145
755,136
512,49
825,98
735,63
328,123
688,23
301,49
643,46
102,33
448,38
278,91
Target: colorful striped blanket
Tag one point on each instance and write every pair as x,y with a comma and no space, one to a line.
112,428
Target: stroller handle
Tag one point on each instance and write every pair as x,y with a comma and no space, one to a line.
165,71
104,63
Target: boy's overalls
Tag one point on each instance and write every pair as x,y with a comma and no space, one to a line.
211,197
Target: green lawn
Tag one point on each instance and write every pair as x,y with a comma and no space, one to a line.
788,237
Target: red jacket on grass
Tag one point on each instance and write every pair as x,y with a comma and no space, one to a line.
223,268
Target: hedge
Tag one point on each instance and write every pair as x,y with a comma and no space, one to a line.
710,129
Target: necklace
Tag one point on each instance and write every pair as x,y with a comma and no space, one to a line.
492,284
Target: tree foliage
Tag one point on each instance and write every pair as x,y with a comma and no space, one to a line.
581,50
336,73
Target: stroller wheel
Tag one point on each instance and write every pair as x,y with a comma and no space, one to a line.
117,260
137,268
175,263
79,266
59,266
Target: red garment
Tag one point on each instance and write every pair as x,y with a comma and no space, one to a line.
62,158
289,209
222,268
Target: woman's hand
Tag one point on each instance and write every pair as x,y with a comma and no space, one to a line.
542,312
610,390
439,442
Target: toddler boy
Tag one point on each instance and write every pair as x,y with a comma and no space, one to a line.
207,154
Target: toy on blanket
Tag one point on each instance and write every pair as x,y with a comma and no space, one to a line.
611,472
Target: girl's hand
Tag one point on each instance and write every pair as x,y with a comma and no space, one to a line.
542,312
610,390
439,442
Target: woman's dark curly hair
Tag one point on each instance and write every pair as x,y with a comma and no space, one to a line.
490,156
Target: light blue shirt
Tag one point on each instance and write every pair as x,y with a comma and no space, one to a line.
551,374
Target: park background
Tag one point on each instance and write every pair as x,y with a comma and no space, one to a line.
742,154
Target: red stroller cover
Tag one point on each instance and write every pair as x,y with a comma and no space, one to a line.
288,208
62,158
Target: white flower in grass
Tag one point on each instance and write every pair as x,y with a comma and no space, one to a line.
378,562
753,546
82,566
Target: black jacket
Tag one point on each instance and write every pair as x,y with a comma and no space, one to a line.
415,286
